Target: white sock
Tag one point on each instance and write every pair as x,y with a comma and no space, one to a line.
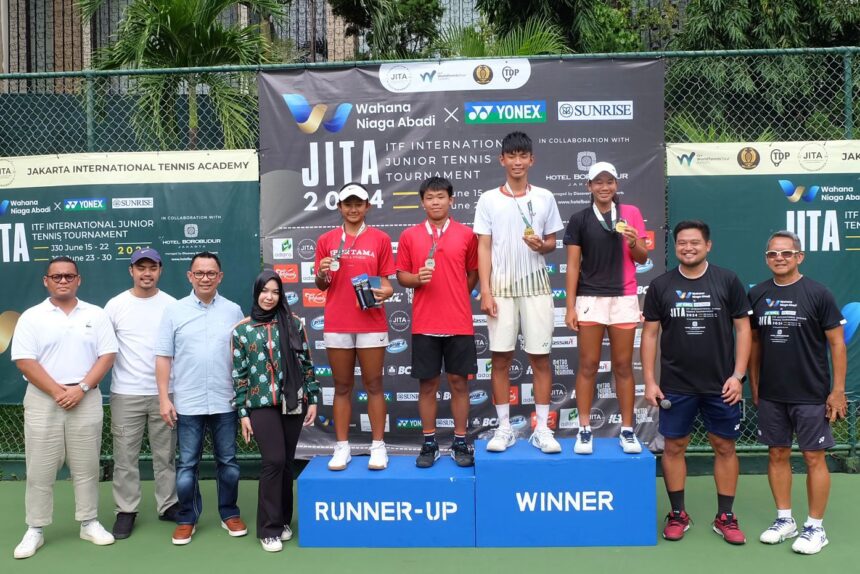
783,513
376,443
626,429
586,428
85,523
542,412
814,522
504,414
35,529
343,443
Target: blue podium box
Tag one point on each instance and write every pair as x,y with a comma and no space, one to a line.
527,498
401,506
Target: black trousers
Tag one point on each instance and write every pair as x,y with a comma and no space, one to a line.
277,436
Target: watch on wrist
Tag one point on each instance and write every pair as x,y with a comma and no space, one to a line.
84,387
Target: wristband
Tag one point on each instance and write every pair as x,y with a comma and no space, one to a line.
739,377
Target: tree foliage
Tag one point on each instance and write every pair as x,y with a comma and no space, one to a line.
182,34
535,37
392,28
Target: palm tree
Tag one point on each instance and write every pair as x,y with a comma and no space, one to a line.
187,34
537,36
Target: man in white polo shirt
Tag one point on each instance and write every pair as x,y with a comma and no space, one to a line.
64,347
136,314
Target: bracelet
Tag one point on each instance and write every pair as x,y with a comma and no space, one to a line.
739,377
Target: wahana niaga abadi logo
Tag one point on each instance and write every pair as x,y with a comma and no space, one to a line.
796,193
309,119
851,312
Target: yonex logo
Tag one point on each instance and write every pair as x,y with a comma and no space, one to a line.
795,194
518,112
686,158
309,119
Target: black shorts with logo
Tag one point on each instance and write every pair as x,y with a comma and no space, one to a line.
777,422
458,352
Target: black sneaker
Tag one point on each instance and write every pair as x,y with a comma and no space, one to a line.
124,525
463,453
170,514
428,455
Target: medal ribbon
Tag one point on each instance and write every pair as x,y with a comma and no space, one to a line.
340,248
433,236
613,216
528,222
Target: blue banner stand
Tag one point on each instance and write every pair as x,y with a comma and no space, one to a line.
401,506
527,498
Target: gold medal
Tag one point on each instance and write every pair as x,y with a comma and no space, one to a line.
529,231
620,226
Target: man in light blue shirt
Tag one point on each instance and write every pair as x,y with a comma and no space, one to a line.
194,343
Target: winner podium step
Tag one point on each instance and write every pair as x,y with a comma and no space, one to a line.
401,506
527,498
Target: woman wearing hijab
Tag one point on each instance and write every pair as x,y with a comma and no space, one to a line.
276,394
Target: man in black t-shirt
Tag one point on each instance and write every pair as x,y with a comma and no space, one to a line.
795,320
705,345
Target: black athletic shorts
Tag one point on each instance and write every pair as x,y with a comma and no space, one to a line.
458,352
777,422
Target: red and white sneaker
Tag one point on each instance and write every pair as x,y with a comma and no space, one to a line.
677,523
726,525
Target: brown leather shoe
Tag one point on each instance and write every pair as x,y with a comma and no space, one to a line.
183,533
235,526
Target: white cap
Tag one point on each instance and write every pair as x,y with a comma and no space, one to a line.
600,167
353,190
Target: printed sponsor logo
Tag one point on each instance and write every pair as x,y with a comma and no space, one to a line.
309,119
479,320
597,418
364,423
481,343
595,110
777,156
485,369
292,297
478,397
513,112
397,346
289,272
132,203
317,323
645,267
444,423
363,397
795,193
408,423
483,74
564,342
559,294
282,248
604,367
515,371
551,420
307,249
313,298
308,274
686,158
514,395
558,393
327,396
399,321
519,422
191,230
407,397
812,157
568,419
322,371
85,204
319,345
527,394
749,158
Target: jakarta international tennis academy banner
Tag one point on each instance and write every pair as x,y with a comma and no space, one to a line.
746,191
99,208
392,126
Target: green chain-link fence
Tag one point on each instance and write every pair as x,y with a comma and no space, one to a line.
790,95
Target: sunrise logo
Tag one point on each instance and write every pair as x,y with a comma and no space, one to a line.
309,119
795,194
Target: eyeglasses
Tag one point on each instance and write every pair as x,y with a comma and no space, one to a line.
785,254
60,277
206,274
